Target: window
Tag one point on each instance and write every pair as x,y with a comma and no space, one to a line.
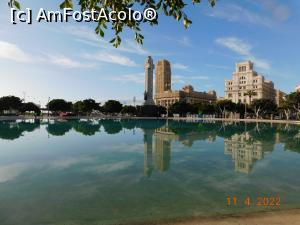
242,68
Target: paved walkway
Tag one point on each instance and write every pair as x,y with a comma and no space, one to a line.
285,217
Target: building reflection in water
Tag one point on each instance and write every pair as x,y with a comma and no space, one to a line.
160,154
148,152
162,149
244,151
246,143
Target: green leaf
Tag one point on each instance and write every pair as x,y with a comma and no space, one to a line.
17,5
186,22
101,33
212,2
66,4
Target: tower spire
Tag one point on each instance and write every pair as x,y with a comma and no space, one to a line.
148,95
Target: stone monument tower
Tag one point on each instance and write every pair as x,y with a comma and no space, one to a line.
148,95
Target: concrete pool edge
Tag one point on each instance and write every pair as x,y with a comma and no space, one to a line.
296,122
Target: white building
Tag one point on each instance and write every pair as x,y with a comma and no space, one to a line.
245,79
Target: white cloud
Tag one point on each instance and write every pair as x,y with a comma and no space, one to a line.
185,41
198,77
89,37
177,79
127,46
133,47
279,11
84,33
235,13
185,79
219,67
12,52
110,57
266,13
135,78
237,45
244,49
10,172
66,62
64,163
110,167
179,66
209,86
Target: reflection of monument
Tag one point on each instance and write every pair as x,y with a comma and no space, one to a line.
148,95
244,151
246,143
148,148
161,148
162,152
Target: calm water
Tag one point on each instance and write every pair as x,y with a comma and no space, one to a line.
108,172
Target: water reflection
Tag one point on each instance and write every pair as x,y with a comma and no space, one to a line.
58,128
11,130
106,171
245,151
245,143
87,128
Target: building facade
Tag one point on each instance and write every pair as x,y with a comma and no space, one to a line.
165,96
163,77
280,97
245,79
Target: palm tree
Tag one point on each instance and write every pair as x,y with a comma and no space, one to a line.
249,93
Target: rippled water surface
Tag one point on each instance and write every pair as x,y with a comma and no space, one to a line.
126,171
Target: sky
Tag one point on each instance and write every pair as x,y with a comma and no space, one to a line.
68,60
